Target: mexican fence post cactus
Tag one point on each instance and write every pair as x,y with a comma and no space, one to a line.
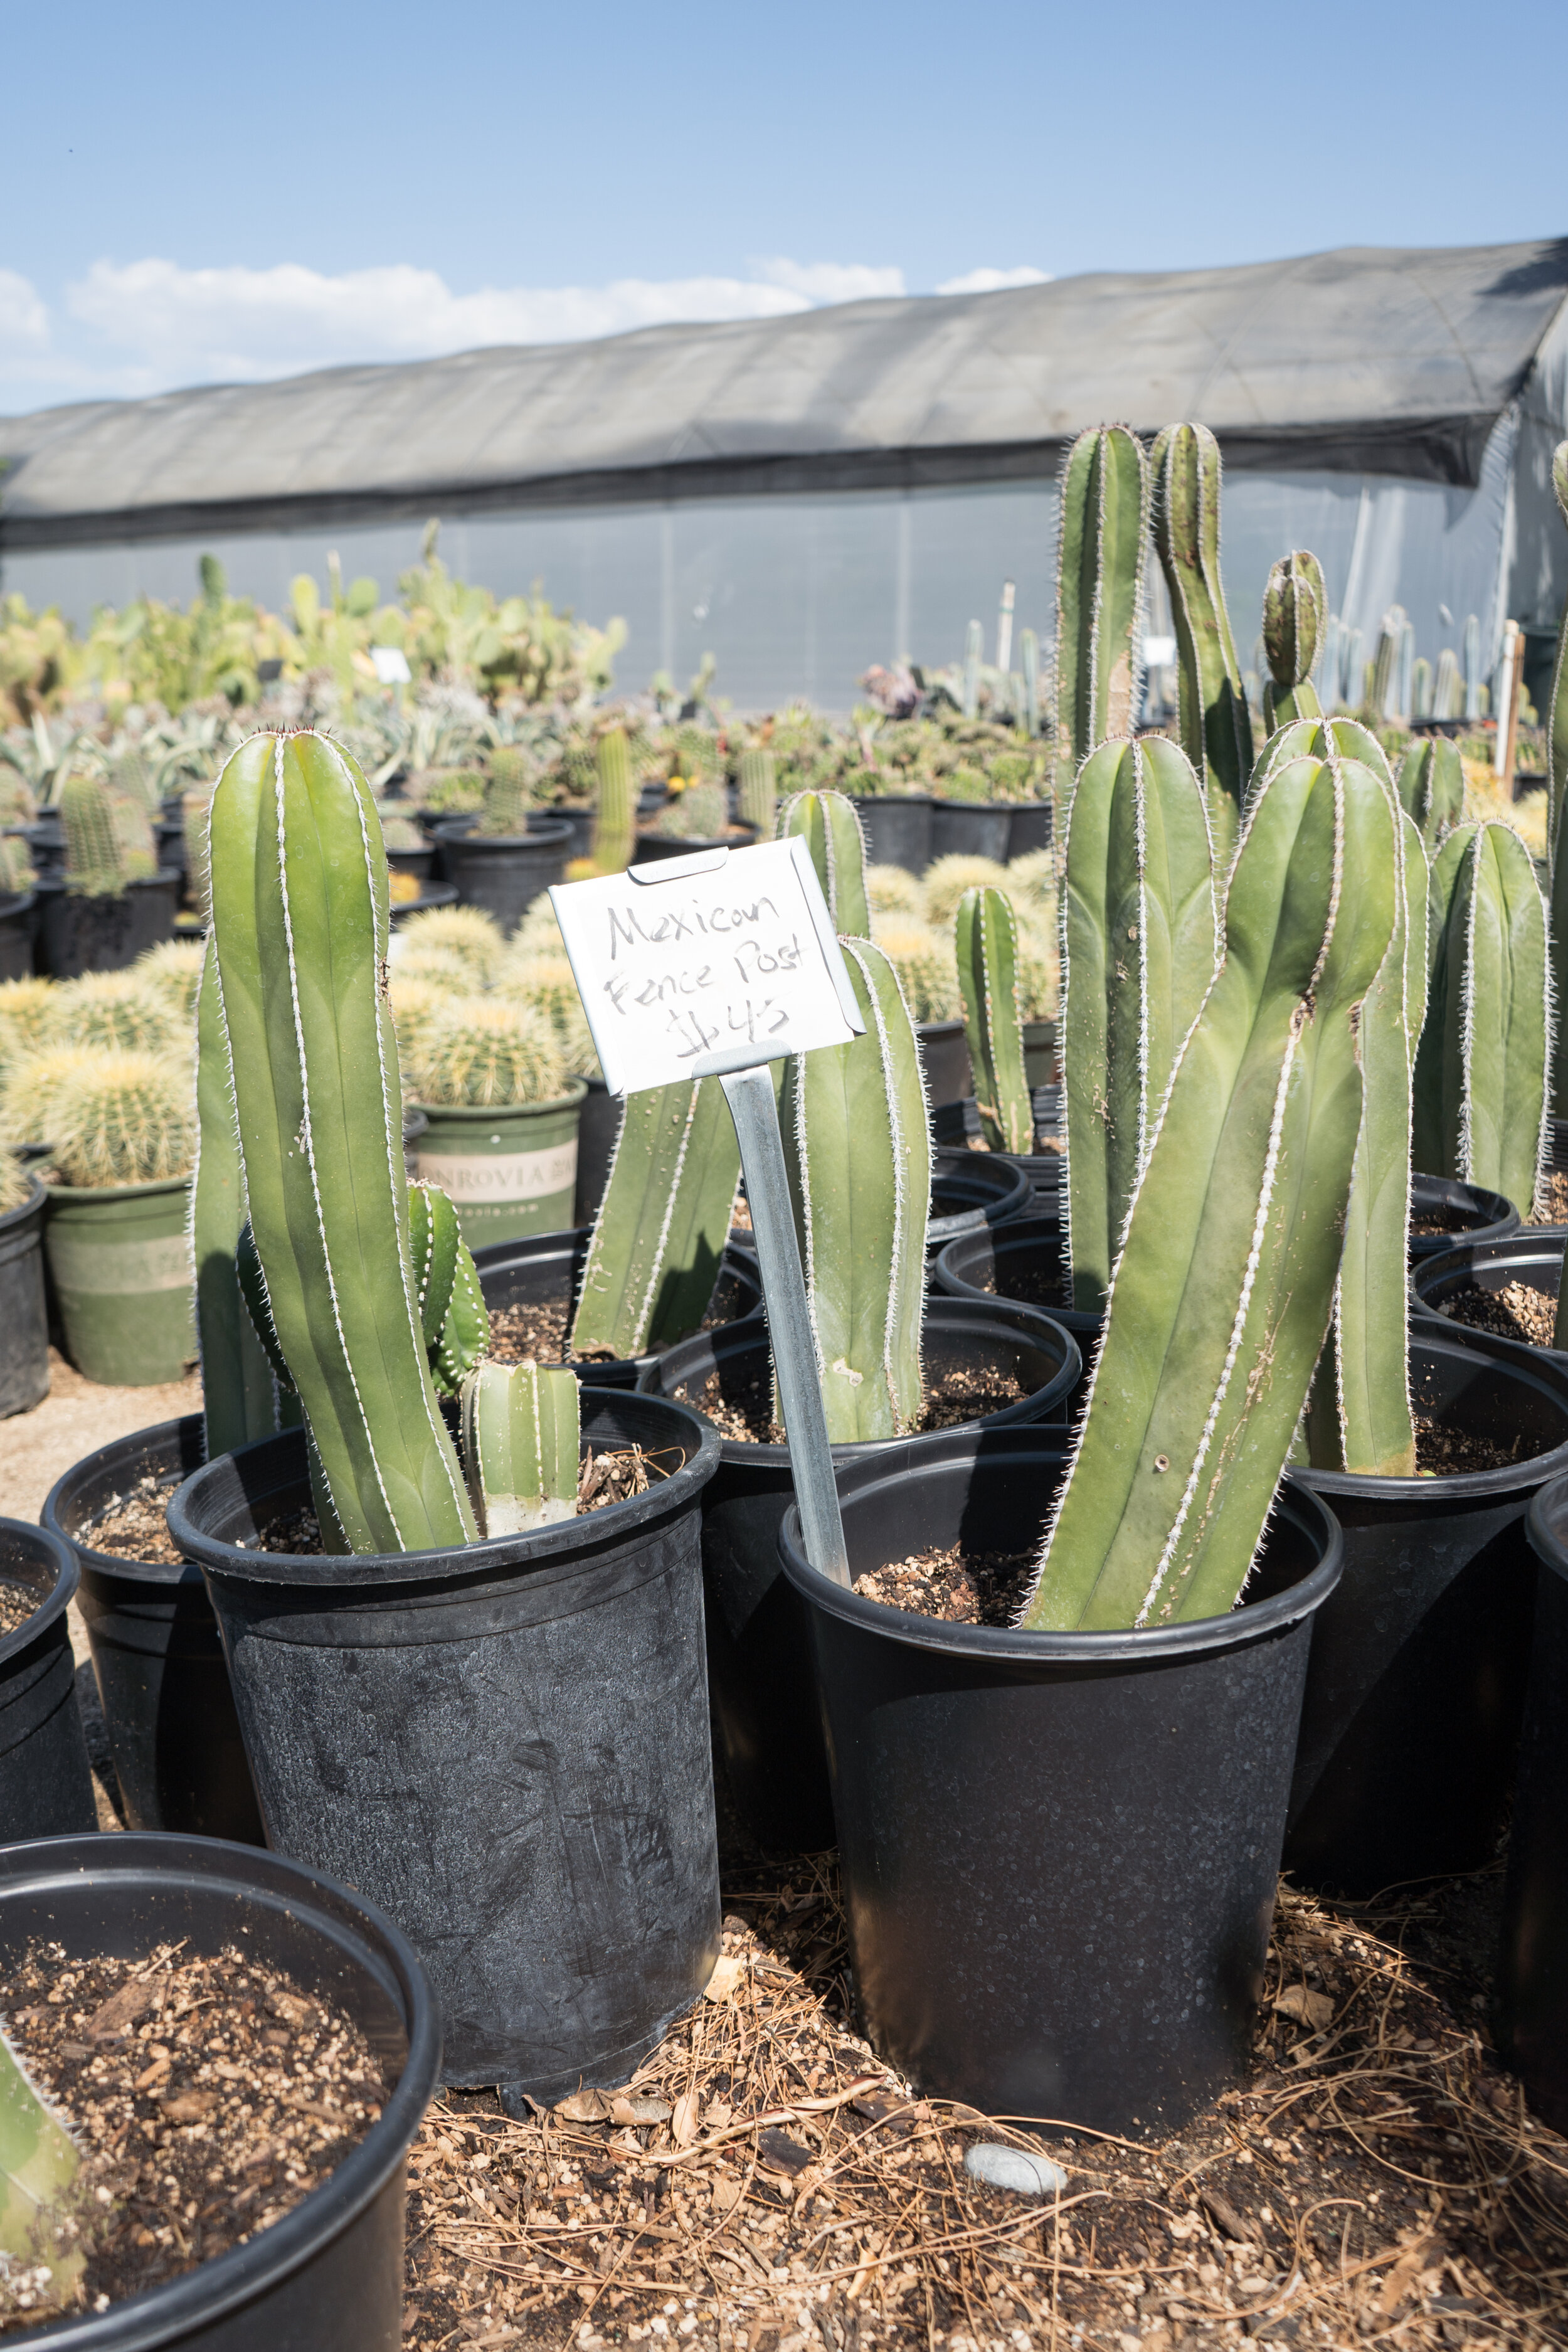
830,827
1029,657
1295,616
759,793
1102,531
1432,788
1213,720
299,920
1447,692
857,1152
974,651
654,1253
452,1312
1226,1280
520,1437
39,2174
615,822
1482,1065
986,937
1139,946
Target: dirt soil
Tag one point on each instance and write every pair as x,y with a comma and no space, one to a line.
742,1408
1517,1311
964,1587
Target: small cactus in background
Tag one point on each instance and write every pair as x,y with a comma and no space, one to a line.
482,1050
1214,723
1432,788
614,821
1420,689
1403,670
986,941
109,842
114,1011
172,972
123,1118
700,813
1475,684
892,890
942,886
16,873
696,753
663,1222
1100,538
504,816
1029,657
759,791
31,1086
1447,692
974,655
829,825
450,792
467,937
1385,666
15,1184
24,1009
925,963
520,1442
1295,615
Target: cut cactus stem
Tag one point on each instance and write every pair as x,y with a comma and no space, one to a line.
520,1441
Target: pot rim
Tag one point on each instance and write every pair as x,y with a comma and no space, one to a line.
165,875
1545,1542
1454,1487
553,830
113,1563
1160,1644
67,1576
11,1218
577,1089
905,799
1464,1254
558,1549
76,1196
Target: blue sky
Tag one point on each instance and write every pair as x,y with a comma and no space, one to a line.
197,193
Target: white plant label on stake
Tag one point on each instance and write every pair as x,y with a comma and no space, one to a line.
713,966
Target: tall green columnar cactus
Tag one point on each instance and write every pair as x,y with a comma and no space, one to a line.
1481,1067
1385,663
299,920
1029,657
521,1439
986,939
830,827
653,1257
973,648
615,821
1139,945
1226,1280
1474,682
1295,617
759,793
1213,720
1360,1417
1447,693
1557,793
504,815
858,1153
1101,532
95,863
1432,788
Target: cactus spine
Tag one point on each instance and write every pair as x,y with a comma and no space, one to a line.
615,808
1432,788
1295,619
1101,532
1139,945
759,793
299,920
830,827
653,1257
856,1142
1213,720
1226,1280
1481,1068
521,1443
985,935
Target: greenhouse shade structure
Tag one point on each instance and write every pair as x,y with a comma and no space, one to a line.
804,495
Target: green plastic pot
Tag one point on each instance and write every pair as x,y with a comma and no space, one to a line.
509,1168
120,1264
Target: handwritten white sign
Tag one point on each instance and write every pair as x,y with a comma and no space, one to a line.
693,966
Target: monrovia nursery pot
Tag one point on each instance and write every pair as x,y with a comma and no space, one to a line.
971,1189
1031,828
1414,1693
763,1690
972,829
18,911
896,827
509,1168
79,934
944,1061
1058,1850
653,846
119,1259
1457,1212
598,1124
328,2277
1533,1976
505,1744
156,1655
1531,1255
23,1318
957,1124
46,1781
546,1269
504,874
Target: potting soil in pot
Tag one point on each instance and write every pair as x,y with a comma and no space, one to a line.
964,1587
741,1404
611,1475
535,1332
1517,1311
133,1525
207,2096
17,1605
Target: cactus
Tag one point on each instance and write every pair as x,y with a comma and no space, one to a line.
1481,1067
31,1086
1475,686
173,972
1139,942
1295,617
15,1184
113,1011
974,655
616,806
485,1050
1385,666
109,841
1432,788
41,2214
123,1118
702,813
24,1009
301,922
1447,692
452,1313
451,792
986,939
653,1257
829,825
16,873
945,880
857,1146
1403,668
1029,655
1420,689
1101,535
521,1444
504,815
1213,720
927,969
759,791
697,750
1556,793
1224,1286
466,936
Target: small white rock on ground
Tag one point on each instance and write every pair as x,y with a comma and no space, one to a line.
1001,2166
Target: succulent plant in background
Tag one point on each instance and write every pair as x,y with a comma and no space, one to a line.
663,1222
122,1117
986,941
894,890
24,1009
1102,535
700,813
614,821
926,966
1295,620
504,815
482,1049
16,871
15,1184
758,791
464,936
947,880
1214,723
171,971
449,792
109,840
31,1085
111,1010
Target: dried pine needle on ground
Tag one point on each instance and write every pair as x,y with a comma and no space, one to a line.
765,2186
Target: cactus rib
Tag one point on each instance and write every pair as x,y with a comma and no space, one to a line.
1214,725
1101,541
654,1251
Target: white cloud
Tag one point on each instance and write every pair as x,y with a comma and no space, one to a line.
992,281
23,321
832,281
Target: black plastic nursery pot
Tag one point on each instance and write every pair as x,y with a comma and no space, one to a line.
652,847
546,1269
969,1190
1020,1260
972,829
119,1258
23,1314
1459,1212
957,1125
79,934
898,829
765,1713
1031,828
46,1781
1058,1850
19,911
328,2277
156,1655
1533,1976
504,874
46,840
1041,1066
1531,1255
417,862
579,824
505,1744
944,1061
433,894
1416,1691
